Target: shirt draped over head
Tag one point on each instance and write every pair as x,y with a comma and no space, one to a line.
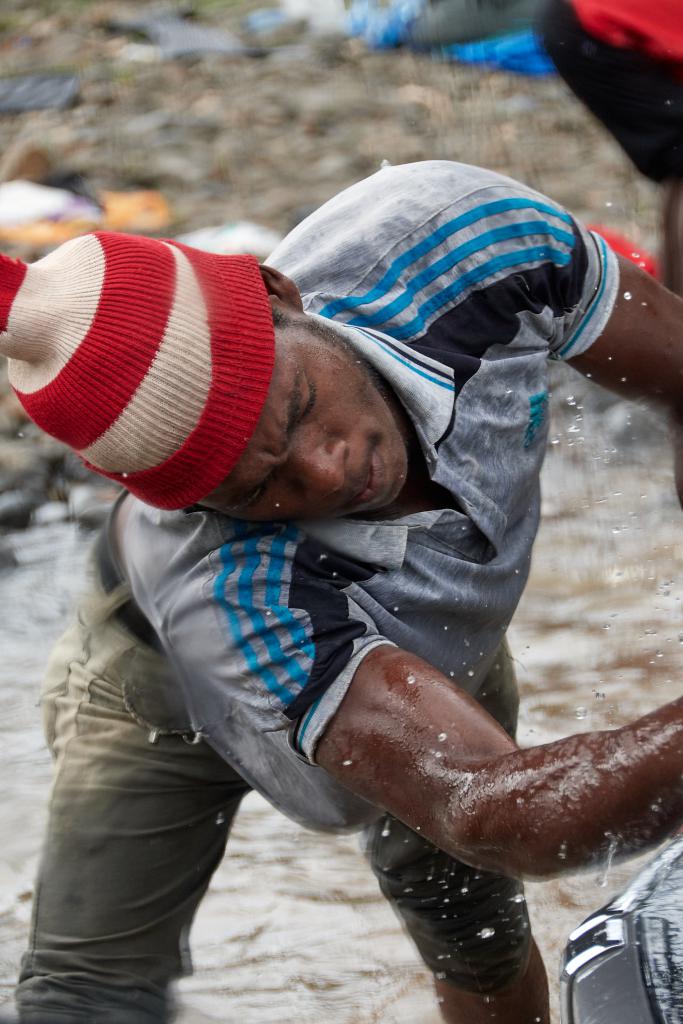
457,285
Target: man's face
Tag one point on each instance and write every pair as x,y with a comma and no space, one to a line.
332,439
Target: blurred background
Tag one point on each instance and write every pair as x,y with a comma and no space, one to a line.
225,123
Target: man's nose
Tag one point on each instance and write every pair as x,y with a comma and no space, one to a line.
319,469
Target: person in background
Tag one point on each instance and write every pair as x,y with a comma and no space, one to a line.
624,60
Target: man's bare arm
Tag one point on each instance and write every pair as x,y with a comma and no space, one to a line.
640,352
409,741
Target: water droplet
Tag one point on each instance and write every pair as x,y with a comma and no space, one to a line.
486,933
628,296
562,852
519,897
441,737
607,866
581,712
410,680
347,762
470,672
220,818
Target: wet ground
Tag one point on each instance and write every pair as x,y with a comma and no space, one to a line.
293,926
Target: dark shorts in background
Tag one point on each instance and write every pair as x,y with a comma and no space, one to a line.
637,98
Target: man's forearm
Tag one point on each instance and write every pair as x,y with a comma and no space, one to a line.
568,804
640,352
406,739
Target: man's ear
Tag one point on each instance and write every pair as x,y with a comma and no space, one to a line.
281,289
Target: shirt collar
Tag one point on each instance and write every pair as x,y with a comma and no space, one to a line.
424,387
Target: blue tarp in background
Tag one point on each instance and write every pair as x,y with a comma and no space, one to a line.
383,26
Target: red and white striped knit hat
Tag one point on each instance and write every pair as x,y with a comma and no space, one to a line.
151,359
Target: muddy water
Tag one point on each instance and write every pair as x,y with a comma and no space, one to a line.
293,927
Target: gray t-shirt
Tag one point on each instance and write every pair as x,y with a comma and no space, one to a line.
457,285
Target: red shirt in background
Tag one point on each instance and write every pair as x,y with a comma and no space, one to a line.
654,27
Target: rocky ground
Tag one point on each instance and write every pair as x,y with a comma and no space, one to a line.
266,138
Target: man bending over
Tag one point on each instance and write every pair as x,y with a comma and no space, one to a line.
332,465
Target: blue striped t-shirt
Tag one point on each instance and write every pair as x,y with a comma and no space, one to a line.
457,285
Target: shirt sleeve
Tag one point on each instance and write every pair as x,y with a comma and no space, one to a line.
584,321
532,278
456,260
261,628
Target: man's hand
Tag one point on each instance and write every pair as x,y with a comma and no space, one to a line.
640,352
411,742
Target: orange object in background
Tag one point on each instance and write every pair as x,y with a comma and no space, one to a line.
145,210
625,247
139,211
